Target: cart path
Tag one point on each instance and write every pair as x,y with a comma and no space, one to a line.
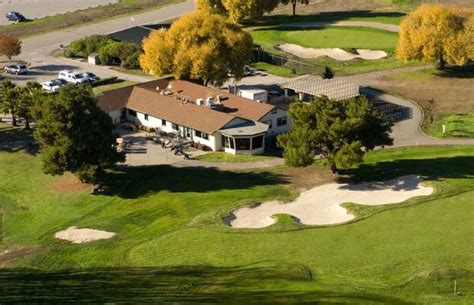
376,25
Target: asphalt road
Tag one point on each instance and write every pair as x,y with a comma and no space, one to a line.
38,50
32,9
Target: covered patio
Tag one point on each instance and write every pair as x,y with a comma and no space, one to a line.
247,138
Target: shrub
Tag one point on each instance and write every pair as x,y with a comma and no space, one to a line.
133,61
109,53
89,44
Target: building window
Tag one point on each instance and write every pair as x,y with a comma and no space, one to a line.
188,132
201,135
257,142
132,113
282,121
174,126
269,123
146,117
228,142
163,122
242,143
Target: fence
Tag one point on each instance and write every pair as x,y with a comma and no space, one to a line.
298,65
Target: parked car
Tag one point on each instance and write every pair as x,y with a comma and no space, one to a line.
91,76
73,77
54,85
15,16
16,69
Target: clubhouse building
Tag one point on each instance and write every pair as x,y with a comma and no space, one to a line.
211,117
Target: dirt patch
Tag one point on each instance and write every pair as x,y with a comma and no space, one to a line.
14,253
334,53
68,183
450,95
79,236
321,205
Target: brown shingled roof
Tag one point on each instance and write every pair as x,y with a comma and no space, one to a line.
114,99
173,110
233,104
146,98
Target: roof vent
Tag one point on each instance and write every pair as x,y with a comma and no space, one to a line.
157,88
200,102
210,101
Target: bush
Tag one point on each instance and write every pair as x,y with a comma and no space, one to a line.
133,61
106,81
88,45
116,53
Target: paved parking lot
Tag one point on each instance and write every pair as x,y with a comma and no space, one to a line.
32,9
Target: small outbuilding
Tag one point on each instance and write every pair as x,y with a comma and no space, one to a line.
93,59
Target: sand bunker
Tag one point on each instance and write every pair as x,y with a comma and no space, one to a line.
79,236
335,53
322,204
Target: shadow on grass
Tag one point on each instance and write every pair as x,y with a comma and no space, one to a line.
134,182
428,169
322,17
183,285
466,71
14,139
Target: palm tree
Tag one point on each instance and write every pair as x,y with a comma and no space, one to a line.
9,99
27,97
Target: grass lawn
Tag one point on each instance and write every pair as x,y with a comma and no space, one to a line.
228,158
118,85
332,37
274,70
457,125
171,243
336,37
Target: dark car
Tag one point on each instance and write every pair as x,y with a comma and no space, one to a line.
15,16
90,76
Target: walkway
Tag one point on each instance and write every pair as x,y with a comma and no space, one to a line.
375,25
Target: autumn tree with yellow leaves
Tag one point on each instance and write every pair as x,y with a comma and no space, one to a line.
199,46
238,10
437,32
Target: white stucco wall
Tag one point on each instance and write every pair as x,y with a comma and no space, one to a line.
213,142
276,130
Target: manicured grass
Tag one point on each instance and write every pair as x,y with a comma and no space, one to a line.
457,125
229,158
171,243
274,70
82,17
118,85
334,37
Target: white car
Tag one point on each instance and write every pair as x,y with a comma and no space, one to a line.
16,69
54,85
73,77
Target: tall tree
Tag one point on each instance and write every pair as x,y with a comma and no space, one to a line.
437,32
28,95
10,46
74,134
341,132
238,10
294,3
9,99
199,46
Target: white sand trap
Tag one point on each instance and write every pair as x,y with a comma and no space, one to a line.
79,236
335,53
322,205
